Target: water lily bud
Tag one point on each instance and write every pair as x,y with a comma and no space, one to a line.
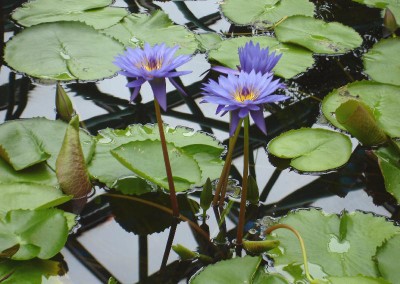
184,252
252,191
389,21
358,119
206,196
260,246
64,106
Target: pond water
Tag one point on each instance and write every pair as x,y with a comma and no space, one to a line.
104,245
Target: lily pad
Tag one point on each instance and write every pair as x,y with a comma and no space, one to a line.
387,259
312,150
389,163
382,62
63,51
29,196
29,272
136,29
92,12
261,11
357,280
294,60
202,149
340,245
40,233
382,99
317,35
393,5
208,41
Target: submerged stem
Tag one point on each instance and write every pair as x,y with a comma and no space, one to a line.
172,193
242,212
303,248
222,182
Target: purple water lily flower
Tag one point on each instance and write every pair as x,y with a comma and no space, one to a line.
252,57
152,64
243,94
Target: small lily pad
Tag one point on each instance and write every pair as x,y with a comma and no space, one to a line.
63,51
92,12
341,246
312,150
261,11
40,233
294,60
382,62
317,35
136,29
381,98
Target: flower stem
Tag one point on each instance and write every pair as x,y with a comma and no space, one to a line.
225,171
172,193
303,248
242,212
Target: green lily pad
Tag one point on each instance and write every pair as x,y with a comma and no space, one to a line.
92,12
357,280
63,51
260,11
208,41
393,5
387,258
40,233
311,149
317,35
136,29
382,99
340,245
389,163
29,272
294,60
382,62
202,149
29,196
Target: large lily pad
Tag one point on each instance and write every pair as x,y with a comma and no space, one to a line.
389,163
317,35
312,149
382,99
340,245
259,11
202,149
387,258
393,5
92,12
357,280
382,62
136,29
40,233
63,51
294,60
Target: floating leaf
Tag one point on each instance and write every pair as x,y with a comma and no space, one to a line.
20,147
311,149
70,165
339,249
260,11
382,62
202,149
359,121
40,233
63,51
92,12
29,196
393,5
357,280
208,41
29,272
317,35
294,60
387,258
382,99
136,29
389,163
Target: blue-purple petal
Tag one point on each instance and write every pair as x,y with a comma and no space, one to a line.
160,91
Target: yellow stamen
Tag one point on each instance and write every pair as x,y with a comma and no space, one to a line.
154,64
244,95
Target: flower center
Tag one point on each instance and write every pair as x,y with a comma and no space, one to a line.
244,95
151,64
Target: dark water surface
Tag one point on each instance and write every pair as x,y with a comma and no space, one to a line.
102,246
